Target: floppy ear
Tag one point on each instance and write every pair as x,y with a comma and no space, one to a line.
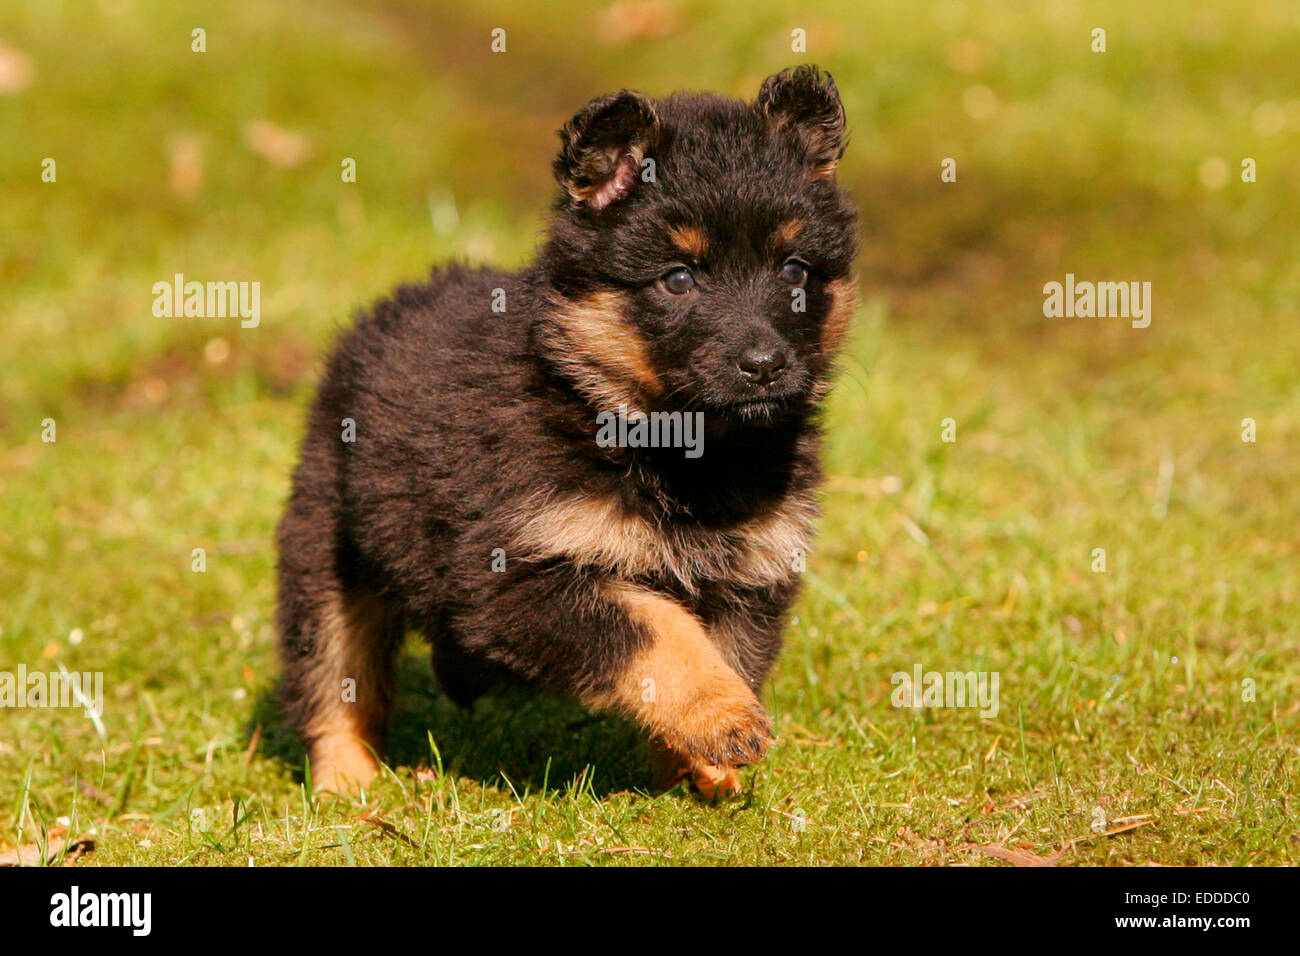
804,104
600,160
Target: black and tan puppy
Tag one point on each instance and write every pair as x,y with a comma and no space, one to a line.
453,477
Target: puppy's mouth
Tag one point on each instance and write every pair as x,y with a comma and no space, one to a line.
728,401
760,409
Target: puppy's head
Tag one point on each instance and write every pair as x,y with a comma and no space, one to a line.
700,252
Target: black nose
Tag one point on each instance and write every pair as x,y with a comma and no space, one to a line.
762,366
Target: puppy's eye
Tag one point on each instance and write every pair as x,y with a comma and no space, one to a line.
794,272
678,281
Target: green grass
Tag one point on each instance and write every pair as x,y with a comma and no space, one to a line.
1121,692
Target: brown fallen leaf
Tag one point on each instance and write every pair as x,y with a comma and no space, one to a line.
185,156
58,849
77,850
651,850
1018,857
388,828
16,70
1128,826
1120,821
634,20
252,745
278,146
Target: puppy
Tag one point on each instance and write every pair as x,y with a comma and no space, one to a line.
597,474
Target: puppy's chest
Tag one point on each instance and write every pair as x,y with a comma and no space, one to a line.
598,532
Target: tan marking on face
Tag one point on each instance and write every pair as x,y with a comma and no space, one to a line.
786,233
844,295
601,352
598,532
345,735
690,241
678,687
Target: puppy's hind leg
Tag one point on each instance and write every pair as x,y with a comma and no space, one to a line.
338,661
337,647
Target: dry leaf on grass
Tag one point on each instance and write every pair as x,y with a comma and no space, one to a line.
185,159
386,827
634,20
1128,826
278,146
16,70
1018,857
57,850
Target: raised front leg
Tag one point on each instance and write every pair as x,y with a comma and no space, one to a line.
619,647
702,716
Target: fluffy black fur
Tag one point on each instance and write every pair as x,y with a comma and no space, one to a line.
475,431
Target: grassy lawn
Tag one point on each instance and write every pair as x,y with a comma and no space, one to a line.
1148,713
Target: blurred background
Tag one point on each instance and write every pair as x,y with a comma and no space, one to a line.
1072,434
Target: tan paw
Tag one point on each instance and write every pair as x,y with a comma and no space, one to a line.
725,726
709,780
714,782
341,763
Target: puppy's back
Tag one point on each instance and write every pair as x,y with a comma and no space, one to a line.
420,420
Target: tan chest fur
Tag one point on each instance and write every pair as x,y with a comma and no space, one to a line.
599,532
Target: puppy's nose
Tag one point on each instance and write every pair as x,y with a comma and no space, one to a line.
763,365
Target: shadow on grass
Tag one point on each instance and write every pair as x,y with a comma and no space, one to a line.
531,739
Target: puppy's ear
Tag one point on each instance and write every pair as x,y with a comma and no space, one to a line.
600,159
804,104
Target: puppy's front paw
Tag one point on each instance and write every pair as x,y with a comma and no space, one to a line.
709,780
726,727
679,687
720,729
714,782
